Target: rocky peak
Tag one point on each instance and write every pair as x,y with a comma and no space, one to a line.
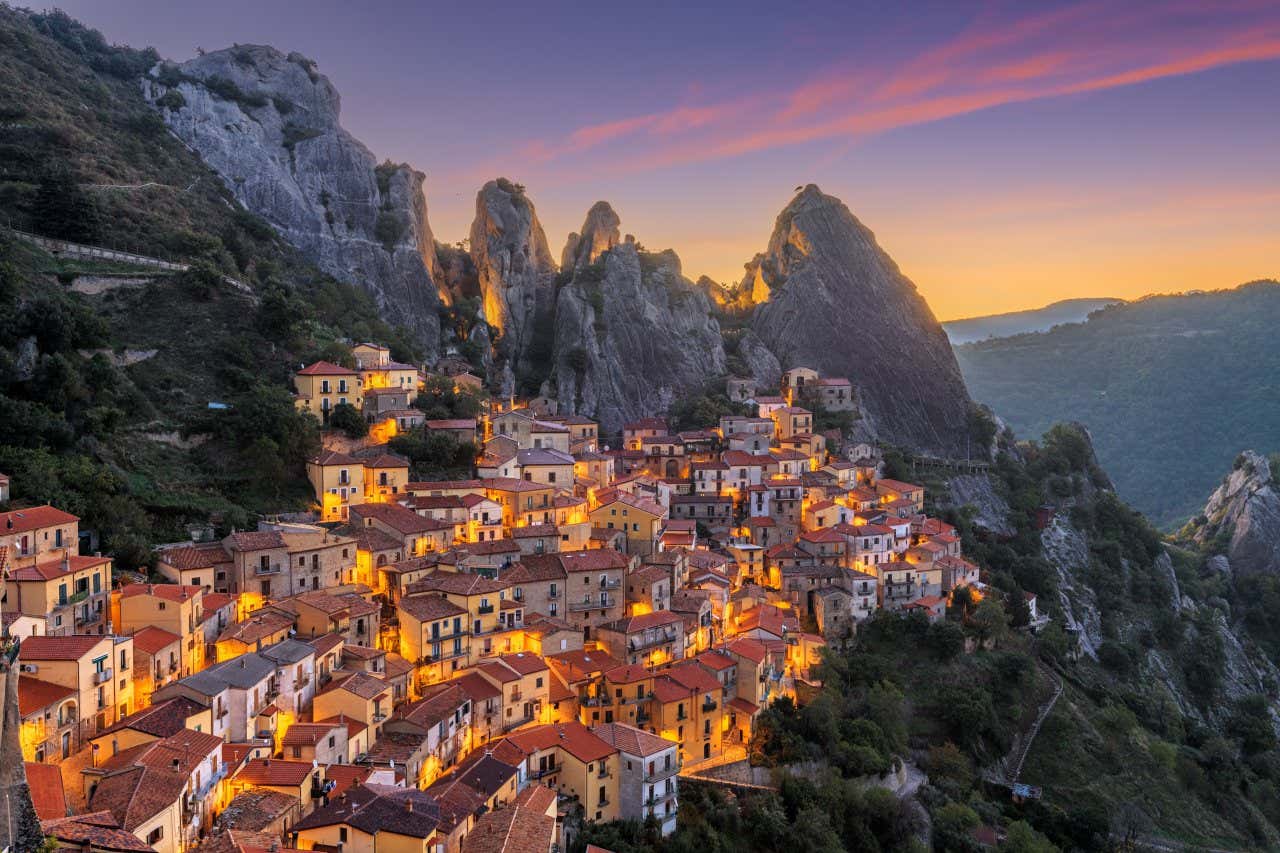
600,233
1244,515
632,333
836,302
268,124
515,269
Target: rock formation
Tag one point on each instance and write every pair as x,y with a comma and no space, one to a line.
836,302
632,333
267,123
599,234
516,272
1244,514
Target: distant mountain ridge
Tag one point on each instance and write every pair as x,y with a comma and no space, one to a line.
970,329
1171,387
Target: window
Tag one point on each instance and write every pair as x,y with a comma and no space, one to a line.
154,836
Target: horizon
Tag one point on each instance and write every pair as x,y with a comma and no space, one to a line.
1005,158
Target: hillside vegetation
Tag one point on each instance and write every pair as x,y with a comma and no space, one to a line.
1171,387
106,373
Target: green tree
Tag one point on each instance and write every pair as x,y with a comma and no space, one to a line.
346,418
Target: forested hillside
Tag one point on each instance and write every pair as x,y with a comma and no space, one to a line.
1171,387
107,371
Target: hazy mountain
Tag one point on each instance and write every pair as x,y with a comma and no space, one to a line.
1172,388
973,329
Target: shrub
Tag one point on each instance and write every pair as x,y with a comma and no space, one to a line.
388,229
346,418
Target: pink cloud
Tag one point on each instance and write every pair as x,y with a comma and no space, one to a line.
1085,47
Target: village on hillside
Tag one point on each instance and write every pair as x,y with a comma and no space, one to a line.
475,664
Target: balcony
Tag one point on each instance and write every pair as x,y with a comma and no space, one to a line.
102,675
660,639
660,773
299,683
548,771
708,705
610,583
594,604
659,799
595,701
379,716
269,569
485,609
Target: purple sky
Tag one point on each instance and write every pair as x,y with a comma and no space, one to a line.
1006,154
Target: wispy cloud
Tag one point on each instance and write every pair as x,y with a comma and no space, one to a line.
997,59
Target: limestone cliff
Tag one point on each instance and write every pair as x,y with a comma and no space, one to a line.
836,302
599,234
632,335
516,272
1243,514
267,123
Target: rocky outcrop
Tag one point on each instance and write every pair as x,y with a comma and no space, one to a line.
515,269
1244,515
991,511
632,335
836,302
599,234
267,123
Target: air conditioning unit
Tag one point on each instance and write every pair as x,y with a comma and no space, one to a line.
28,667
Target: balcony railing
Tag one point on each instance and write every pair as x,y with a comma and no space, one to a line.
708,705
379,717
538,774
660,773
485,609
658,799
102,675
269,569
610,583
299,683
594,604
595,701
660,639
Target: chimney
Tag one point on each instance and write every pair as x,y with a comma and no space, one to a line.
408,804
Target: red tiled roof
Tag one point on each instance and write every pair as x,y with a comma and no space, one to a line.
458,583
747,647
26,520
151,639
201,556
430,607
634,624
631,740
325,368
398,518
167,591
573,737
71,647
274,772
257,540
51,569
47,793
34,695
694,677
